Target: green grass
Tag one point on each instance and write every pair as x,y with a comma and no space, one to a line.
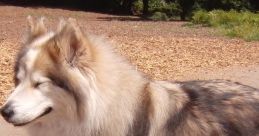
231,23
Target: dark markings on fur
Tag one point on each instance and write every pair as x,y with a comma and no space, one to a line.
62,82
177,119
208,102
141,123
59,82
227,107
21,53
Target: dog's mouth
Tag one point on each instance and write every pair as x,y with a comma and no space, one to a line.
46,111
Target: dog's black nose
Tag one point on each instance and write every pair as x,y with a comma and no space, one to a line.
7,112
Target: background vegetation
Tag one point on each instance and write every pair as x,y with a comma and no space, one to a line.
235,18
231,23
166,9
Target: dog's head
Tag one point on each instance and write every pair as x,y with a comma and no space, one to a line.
47,74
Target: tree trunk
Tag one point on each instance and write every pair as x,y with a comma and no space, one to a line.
127,6
183,16
145,7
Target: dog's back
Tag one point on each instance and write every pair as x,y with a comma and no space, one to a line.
210,108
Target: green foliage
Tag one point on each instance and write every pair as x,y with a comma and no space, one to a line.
201,17
225,4
156,4
170,9
235,4
158,9
159,16
137,7
186,8
232,23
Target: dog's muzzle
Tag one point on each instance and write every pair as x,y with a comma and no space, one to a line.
7,112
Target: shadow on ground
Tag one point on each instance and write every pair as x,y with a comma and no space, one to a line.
72,5
122,18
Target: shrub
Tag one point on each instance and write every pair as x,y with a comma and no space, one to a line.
158,8
201,17
232,23
137,7
171,9
223,18
159,16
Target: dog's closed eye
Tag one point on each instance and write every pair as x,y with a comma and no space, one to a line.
40,80
37,84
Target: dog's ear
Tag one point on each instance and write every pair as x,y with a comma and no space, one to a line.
36,28
70,42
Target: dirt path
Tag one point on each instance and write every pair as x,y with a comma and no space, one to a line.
246,75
